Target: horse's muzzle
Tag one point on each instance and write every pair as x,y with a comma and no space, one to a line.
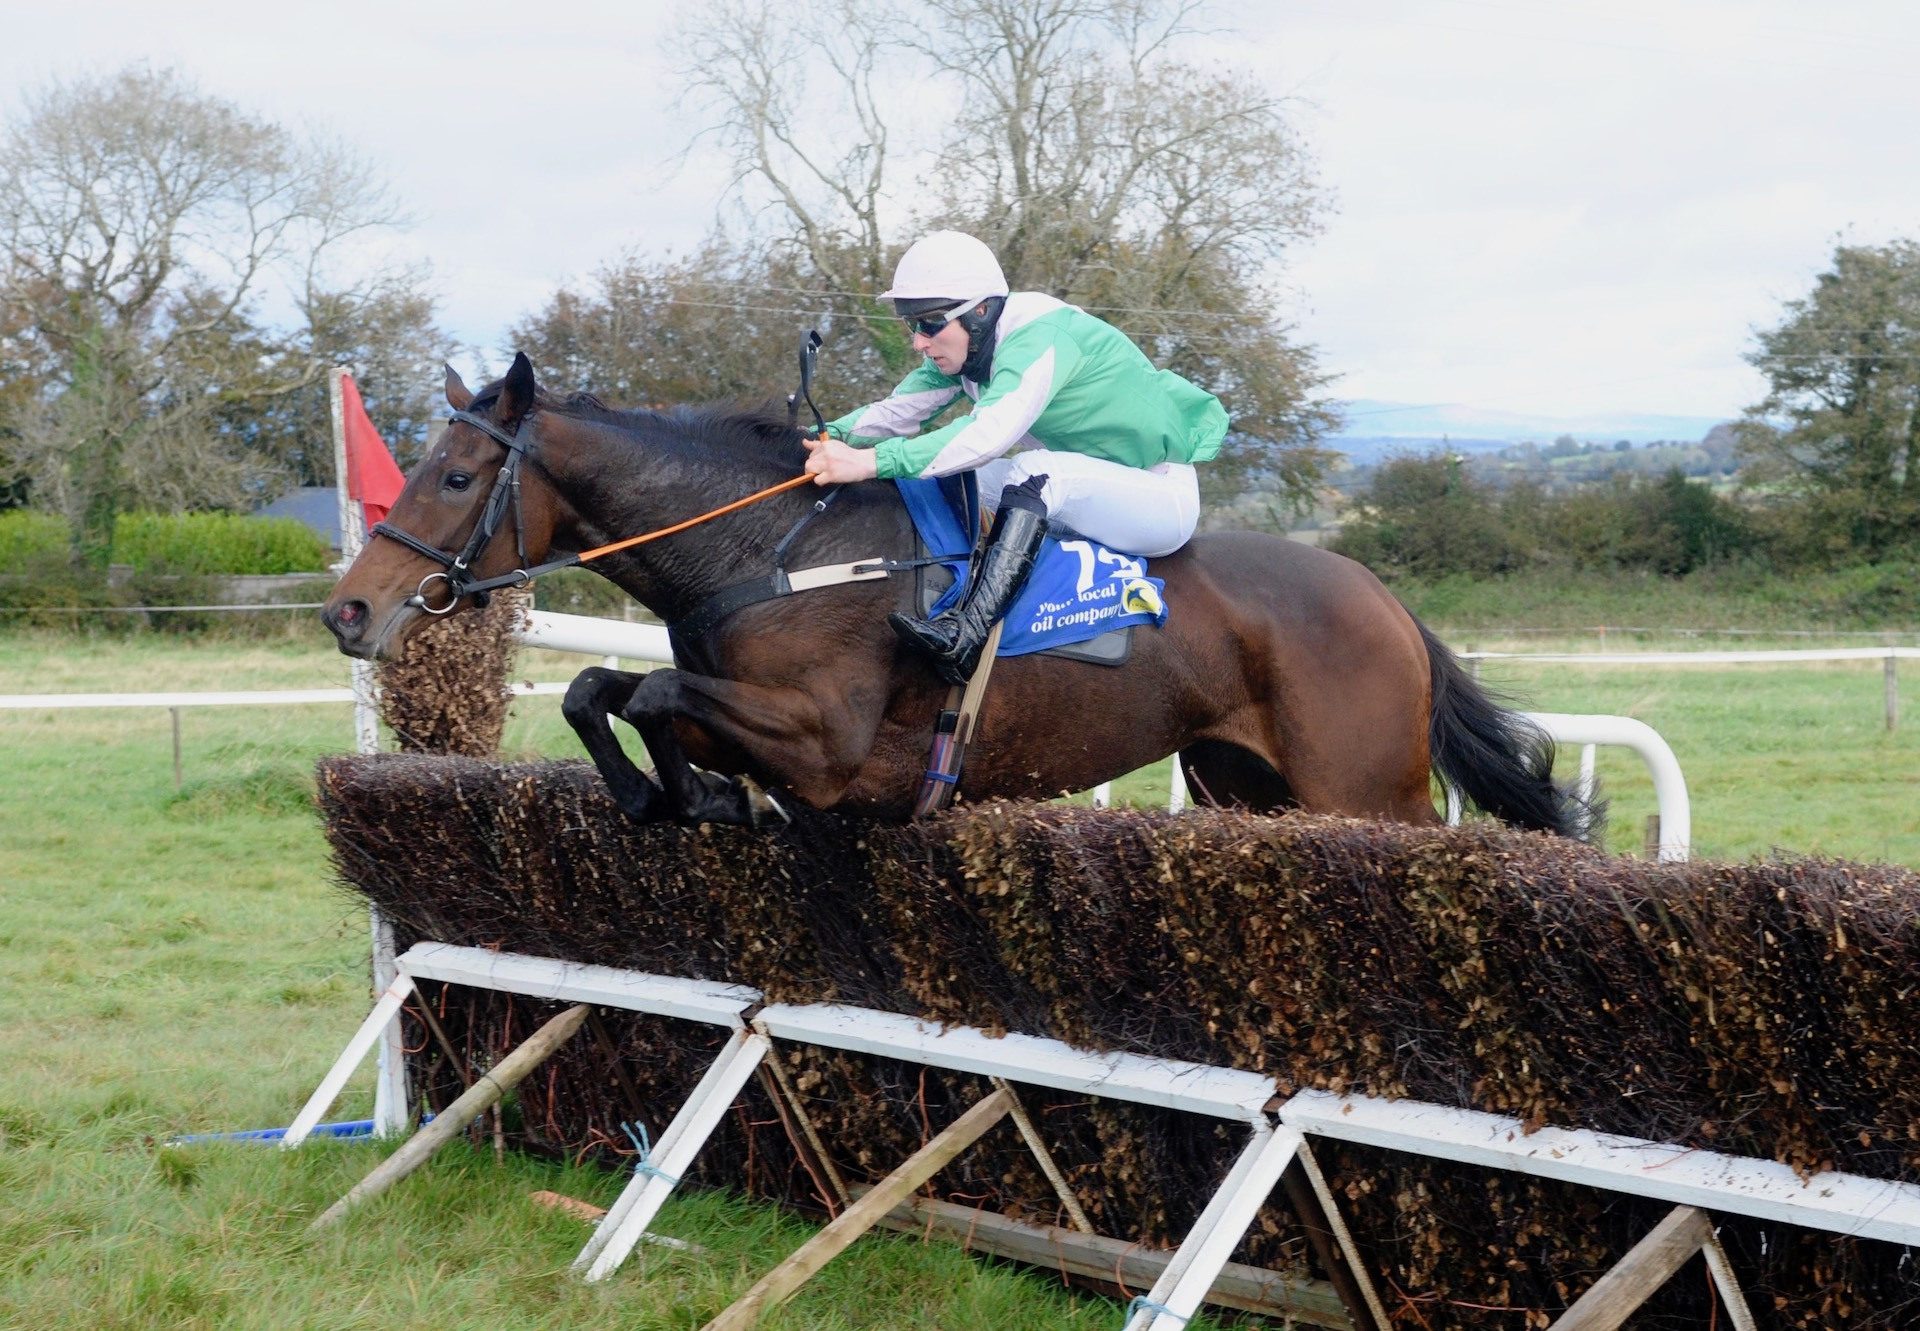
348,621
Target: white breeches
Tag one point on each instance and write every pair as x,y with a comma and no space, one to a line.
1138,511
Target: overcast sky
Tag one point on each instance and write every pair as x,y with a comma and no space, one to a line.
1577,208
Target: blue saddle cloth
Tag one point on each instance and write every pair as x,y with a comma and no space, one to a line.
1078,590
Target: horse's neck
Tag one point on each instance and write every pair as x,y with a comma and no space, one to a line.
618,488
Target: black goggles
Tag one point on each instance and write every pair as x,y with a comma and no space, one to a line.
930,324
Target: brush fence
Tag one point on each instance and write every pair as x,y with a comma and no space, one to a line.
1498,1076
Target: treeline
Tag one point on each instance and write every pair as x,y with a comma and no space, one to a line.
1829,463
145,224
145,227
1432,517
1568,463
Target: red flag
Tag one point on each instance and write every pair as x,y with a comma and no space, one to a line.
372,476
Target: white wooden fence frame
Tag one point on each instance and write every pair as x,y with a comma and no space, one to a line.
1278,1129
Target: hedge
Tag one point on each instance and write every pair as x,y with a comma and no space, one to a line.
184,543
1762,1009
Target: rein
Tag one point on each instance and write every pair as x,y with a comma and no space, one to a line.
455,568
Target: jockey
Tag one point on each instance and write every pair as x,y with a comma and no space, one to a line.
1109,441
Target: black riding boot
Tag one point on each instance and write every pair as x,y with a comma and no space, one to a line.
955,637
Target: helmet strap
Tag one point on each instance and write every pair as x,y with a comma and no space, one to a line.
982,322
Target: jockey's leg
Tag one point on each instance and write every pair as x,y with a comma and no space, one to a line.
1146,511
954,640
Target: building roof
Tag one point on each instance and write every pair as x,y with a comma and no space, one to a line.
316,505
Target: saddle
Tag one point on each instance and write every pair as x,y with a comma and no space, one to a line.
1076,585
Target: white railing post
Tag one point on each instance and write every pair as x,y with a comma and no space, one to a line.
1669,784
390,1084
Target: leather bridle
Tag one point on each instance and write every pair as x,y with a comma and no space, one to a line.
456,569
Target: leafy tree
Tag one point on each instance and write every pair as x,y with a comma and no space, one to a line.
384,329
1840,423
1071,137
1431,517
1428,517
141,223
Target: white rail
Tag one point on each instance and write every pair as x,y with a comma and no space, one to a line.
33,702
596,637
591,636
1669,784
1830,1201
1776,656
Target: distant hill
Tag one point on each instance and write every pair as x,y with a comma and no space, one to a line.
1374,429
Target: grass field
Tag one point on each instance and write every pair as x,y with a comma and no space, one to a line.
177,961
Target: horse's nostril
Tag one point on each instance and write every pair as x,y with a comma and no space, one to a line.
347,619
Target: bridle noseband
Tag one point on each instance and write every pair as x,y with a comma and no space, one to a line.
457,569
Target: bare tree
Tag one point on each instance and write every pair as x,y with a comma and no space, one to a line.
140,223
1069,135
721,323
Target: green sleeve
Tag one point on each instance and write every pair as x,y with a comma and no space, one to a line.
921,396
1029,367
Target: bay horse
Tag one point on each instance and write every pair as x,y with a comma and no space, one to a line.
1284,676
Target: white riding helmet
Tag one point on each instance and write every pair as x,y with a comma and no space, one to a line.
947,266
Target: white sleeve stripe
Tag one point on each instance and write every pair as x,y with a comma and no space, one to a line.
993,429
902,414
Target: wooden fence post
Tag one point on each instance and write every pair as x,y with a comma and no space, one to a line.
452,1121
780,1283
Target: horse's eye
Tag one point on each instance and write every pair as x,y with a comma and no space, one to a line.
458,480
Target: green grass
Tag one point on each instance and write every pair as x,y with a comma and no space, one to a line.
175,962
178,962
1881,598
1786,757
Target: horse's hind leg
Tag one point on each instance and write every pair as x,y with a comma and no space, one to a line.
595,695
1227,776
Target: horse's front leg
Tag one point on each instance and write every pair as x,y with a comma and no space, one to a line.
595,695
811,746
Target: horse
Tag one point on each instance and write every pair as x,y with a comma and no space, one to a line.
1284,676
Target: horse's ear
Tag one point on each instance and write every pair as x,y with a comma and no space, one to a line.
516,390
459,396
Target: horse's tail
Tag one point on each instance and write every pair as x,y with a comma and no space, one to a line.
1497,758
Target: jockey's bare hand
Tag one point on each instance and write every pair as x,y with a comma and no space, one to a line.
831,462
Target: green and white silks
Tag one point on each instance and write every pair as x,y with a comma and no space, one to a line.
1062,380
1066,383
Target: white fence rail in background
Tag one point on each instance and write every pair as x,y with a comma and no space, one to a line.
1669,785
1889,656
590,636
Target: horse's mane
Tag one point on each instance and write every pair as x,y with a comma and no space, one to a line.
714,429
